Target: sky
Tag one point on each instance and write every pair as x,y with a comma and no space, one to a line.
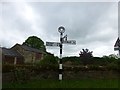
94,25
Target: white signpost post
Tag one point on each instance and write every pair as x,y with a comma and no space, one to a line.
63,40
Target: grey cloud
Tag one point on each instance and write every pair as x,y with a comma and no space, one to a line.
84,22
79,18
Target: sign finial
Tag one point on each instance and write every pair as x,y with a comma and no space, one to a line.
61,29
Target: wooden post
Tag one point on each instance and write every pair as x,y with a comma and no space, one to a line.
118,53
15,60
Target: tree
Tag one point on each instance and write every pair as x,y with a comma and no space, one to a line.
86,56
35,42
86,53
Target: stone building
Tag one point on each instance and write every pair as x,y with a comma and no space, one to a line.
30,54
22,54
11,57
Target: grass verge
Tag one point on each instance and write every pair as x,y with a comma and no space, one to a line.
84,83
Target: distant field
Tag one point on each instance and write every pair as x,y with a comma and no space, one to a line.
84,83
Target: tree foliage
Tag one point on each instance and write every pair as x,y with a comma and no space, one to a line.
35,42
86,56
86,53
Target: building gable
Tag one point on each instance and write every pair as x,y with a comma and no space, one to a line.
28,48
30,54
11,56
117,44
10,52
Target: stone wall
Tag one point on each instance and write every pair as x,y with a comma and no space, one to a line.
67,75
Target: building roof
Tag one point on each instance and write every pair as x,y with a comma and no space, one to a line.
9,52
117,43
28,48
31,49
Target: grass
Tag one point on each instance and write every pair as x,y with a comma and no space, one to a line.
84,83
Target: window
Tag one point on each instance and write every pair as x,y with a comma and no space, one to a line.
38,56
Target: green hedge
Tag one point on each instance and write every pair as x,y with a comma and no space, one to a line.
51,63
37,68
93,61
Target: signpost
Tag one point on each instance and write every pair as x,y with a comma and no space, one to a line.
63,40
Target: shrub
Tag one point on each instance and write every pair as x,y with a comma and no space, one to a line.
113,66
74,60
49,62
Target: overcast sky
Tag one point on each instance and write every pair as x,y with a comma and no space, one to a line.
94,25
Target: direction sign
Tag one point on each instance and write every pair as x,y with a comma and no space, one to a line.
52,44
69,42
